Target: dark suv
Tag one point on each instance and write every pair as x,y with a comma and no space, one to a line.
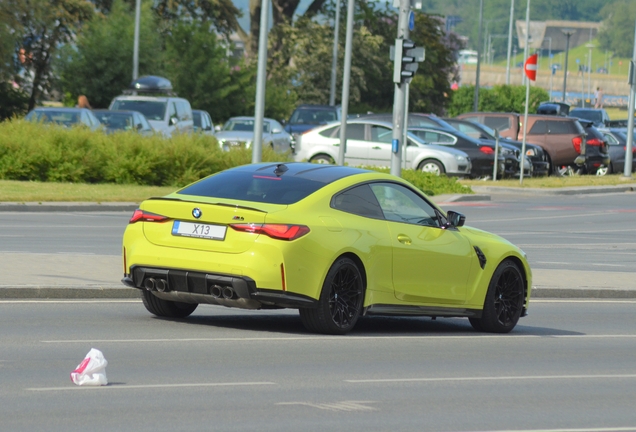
306,117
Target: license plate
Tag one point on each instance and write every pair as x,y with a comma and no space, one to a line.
206,231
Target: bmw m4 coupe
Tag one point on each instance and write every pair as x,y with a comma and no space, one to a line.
337,243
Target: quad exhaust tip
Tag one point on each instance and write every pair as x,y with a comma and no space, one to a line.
149,284
152,284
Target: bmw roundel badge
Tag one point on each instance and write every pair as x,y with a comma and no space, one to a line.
196,212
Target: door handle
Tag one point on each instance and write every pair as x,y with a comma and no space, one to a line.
376,148
403,238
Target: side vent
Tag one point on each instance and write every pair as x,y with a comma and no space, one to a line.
481,256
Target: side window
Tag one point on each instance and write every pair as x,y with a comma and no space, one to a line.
539,127
381,134
400,204
439,138
172,110
500,123
559,128
610,139
421,122
355,132
359,200
331,132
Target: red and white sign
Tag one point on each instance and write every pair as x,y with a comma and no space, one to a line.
530,67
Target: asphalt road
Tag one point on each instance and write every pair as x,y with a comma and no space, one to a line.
568,365
582,241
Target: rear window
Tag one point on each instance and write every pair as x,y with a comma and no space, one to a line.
313,116
248,186
153,110
594,116
499,123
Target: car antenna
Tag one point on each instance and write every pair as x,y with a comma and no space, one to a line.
280,169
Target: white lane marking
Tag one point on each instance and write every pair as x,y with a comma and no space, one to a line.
66,301
149,386
581,301
491,378
334,338
592,264
603,429
544,217
335,406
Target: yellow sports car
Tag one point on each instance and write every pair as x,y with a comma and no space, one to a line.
334,242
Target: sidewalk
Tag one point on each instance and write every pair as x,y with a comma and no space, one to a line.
78,276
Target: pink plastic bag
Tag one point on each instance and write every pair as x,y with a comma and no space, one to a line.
92,370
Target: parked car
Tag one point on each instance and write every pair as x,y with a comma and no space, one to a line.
617,147
595,156
202,122
560,137
167,114
239,131
334,242
482,156
64,116
538,158
369,143
598,116
124,121
306,117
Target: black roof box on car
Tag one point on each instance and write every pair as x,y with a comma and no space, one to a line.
150,84
554,108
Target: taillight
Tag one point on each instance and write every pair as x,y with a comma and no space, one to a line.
275,231
595,142
633,149
144,216
487,150
576,142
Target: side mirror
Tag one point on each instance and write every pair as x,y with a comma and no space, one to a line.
173,121
139,126
217,128
276,131
455,219
283,122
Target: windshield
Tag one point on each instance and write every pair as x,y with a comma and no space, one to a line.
116,120
594,116
243,125
153,110
60,117
313,116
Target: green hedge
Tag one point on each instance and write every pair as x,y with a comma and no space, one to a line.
51,153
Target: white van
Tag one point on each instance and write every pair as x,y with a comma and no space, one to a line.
166,114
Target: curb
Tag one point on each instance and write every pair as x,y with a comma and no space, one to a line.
66,207
578,190
62,292
117,292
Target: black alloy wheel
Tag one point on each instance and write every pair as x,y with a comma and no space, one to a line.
341,299
166,308
504,300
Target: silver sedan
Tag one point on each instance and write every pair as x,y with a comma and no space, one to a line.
239,132
369,143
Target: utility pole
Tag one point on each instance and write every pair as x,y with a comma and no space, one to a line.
261,68
481,24
512,17
346,78
136,40
405,56
630,116
334,59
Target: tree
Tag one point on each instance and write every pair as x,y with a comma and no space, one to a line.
617,34
201,71
100,66
502,98
44,25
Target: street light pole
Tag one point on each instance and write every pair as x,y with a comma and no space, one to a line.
334,60
512,12
481,23
589,70
136,40
567,33
526,49
261,72
346,78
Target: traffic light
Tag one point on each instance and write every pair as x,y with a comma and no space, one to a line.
406,58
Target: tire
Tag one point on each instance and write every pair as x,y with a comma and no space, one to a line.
340,302
432,166
605,170
504,300
322,159
166,308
